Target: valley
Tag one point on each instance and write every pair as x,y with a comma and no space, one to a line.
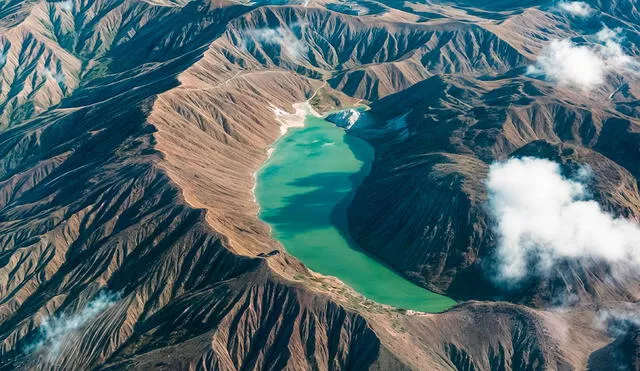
304,190
131,132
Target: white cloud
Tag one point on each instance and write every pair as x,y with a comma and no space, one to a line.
66,5
577,8
541,214
611,50
618,321
54,332
584,66
284,37
569,64
58,76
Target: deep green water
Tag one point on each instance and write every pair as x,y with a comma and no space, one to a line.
304,190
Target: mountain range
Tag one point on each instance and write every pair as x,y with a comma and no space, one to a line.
131,130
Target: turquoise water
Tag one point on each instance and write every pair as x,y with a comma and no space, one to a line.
304,190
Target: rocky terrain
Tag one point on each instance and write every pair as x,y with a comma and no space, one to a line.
130,132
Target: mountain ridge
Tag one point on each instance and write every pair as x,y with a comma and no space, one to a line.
136,181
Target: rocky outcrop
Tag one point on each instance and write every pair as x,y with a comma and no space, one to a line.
426,191
129,135
86,209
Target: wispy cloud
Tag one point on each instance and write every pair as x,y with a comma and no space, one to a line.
584,66
618,321
282,36
66,5
55,331
542,217
59,75
576,8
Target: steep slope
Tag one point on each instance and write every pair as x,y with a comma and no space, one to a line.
625,10
36,71
452,129
117,224
128,232
99,247
364,57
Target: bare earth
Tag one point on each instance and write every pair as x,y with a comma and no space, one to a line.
130,132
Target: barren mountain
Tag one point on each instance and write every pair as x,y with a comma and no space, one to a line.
457,127
130,133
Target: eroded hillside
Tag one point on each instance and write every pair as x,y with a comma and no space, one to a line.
130,132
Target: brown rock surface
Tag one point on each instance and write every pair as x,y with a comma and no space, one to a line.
129,135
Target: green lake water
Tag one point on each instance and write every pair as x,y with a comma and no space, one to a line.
304,190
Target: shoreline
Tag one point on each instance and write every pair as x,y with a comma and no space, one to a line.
287,121
411,297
